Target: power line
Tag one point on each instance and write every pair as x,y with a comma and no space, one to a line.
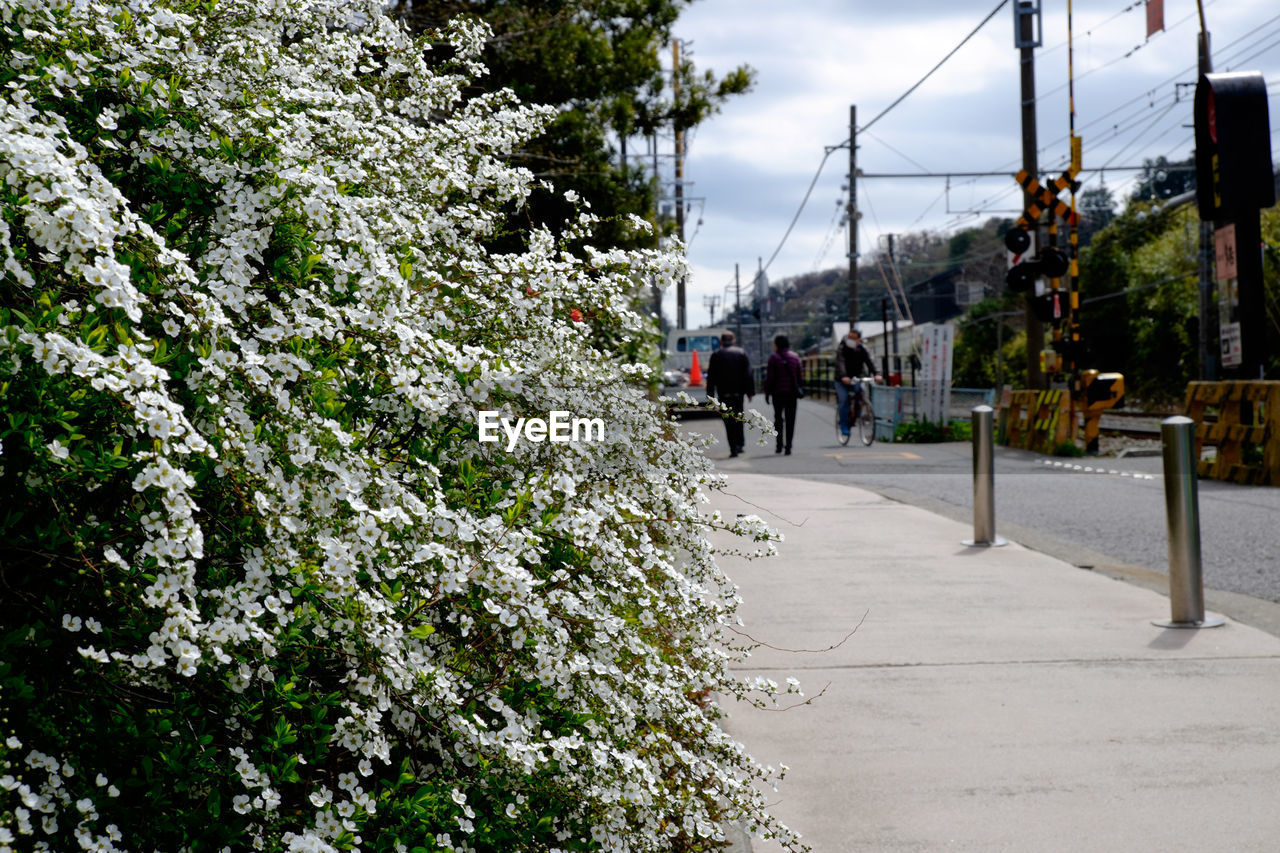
833,229
1145,130
931,206
1123,56
1167,81
1121,127
800,209
827,154
1251,40
998,173
1256,53
895,150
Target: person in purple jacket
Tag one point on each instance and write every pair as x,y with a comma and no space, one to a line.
782,383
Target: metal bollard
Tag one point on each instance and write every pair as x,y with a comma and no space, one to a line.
984,491
1182,507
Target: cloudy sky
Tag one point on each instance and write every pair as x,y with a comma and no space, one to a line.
749,167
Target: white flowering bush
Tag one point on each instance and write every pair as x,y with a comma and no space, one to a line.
261,585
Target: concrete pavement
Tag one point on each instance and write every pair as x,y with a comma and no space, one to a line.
991,698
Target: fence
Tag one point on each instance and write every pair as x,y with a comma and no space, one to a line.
893,404
1242,420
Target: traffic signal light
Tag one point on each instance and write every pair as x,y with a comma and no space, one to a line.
1022,275
1053,263
1049,306
1233,145
1017,240
1022,272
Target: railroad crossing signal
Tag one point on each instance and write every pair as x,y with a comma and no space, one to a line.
1024,269
1019,240
1044,198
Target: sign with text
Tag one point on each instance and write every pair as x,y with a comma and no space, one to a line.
935,379
1226,260
1224,252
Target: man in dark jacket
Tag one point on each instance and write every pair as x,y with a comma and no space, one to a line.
729,381
852,361
782,382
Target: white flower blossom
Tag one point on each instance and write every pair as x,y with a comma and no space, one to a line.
280,498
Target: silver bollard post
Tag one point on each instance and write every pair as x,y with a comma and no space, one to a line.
984,489
1182,507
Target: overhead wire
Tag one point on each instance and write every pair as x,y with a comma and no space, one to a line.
1118,129
1257,53
1123,56
1144,130
1225,56
799,210
904,156
827,154
900,300
931,206
833,228
931,71
1221,50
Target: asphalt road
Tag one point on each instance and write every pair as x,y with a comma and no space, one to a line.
1101,513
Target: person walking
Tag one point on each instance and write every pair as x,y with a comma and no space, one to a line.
782,382
852,361
729,380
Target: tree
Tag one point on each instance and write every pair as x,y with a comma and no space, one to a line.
983,335
1097,210
1271,285
1138,300
598,63
267,584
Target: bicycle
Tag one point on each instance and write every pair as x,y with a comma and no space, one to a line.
861,416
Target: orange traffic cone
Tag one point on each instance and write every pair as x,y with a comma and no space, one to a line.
695,370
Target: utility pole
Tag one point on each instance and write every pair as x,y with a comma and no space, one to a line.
760,305
897,357
853,217
1026,15
675,87
656,292
737,300
1207,364
711,302
884,335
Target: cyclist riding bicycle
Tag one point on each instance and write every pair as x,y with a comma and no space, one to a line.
852,362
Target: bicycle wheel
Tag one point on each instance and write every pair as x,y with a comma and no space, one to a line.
842,437
867,424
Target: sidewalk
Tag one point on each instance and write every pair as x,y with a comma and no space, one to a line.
992,698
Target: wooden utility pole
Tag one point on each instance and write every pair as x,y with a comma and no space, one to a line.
1026,13
760,305
897,356
712,302
675,86
657,180
1207,362
737,300
853,216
